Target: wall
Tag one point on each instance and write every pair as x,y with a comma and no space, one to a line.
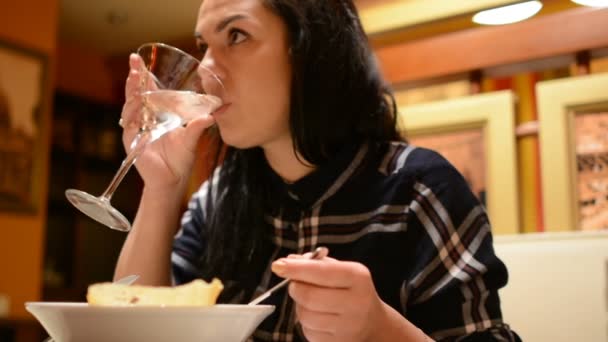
88,74
33,25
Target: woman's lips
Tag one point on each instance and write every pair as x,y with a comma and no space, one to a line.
221,109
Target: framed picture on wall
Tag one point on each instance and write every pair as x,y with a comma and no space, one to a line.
573,117
22,97
476,134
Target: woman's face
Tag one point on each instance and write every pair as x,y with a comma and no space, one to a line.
246,45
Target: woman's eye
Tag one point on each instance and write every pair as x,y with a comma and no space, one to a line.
236,37
202,48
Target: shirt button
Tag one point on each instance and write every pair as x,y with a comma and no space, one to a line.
293,196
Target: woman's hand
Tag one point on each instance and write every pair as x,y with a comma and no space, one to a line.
335,300
165,164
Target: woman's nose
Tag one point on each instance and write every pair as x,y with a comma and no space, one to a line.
212,74
211,62
211,82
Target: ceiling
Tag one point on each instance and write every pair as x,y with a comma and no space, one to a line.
116,27
113,27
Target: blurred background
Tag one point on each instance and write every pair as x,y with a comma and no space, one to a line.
62,71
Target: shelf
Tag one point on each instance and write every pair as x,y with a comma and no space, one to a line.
86,152
105,165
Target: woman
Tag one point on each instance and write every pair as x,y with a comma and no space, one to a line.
314,158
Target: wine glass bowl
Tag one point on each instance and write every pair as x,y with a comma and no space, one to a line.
182,73
175,88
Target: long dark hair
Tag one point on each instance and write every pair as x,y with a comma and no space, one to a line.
337,98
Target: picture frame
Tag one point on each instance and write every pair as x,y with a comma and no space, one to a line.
493,114
23,96
559,101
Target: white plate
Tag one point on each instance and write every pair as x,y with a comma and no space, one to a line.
77,322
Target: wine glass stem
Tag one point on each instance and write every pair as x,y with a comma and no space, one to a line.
141,140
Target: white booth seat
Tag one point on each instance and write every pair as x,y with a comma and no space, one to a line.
558,285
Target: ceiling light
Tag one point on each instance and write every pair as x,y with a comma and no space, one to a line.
592,3
508,14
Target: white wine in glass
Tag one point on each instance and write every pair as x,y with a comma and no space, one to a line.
175,89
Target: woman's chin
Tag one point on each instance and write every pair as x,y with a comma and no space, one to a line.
237,142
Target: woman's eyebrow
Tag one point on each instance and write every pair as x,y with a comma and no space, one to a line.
222,24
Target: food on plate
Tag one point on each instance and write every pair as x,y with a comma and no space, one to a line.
195,293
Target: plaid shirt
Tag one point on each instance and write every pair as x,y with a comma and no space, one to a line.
405,213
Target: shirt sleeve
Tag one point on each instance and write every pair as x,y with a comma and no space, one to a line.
188,242
451,292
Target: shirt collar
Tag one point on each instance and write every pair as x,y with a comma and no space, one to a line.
327,179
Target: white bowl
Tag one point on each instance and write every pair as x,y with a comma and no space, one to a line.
77,322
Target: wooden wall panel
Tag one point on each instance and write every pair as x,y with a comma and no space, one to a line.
551,36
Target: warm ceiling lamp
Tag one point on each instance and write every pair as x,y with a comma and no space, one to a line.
592,3
508,14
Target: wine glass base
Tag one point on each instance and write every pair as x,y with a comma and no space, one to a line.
98,209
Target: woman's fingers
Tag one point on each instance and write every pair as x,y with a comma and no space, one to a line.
327,272
145,80
316,321
130,116
133,83
130,120
298,256
135,61
195,129
317,298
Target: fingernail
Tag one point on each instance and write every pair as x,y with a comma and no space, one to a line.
133,62
279,266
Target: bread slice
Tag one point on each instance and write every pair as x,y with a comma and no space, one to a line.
195,293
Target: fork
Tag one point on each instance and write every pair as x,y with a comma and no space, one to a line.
319,253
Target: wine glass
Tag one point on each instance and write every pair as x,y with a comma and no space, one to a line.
175,88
